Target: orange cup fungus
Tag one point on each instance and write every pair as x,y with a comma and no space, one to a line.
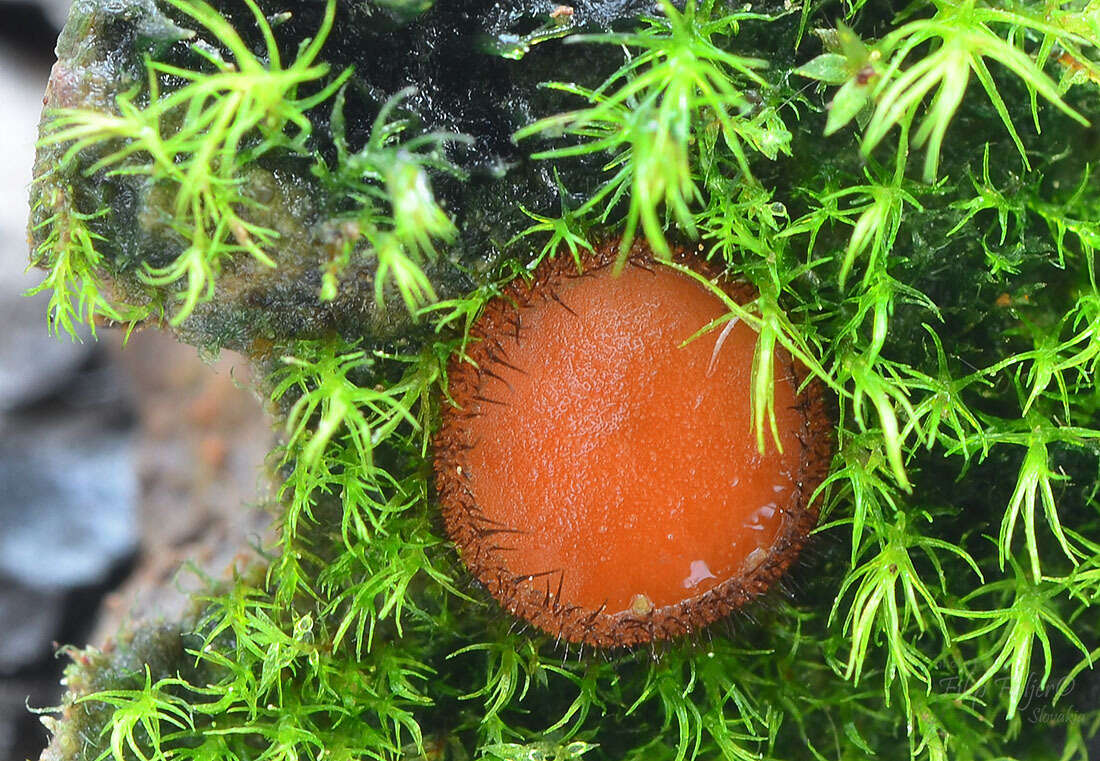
600,476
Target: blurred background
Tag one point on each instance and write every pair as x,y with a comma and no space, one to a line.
117,465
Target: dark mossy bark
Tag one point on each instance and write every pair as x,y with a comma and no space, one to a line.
459,85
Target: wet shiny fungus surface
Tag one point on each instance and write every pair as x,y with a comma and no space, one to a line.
598,470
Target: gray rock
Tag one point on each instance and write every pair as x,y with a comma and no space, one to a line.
69,486
54,10
32,363
32,619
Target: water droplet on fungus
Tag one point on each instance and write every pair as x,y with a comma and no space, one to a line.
591,457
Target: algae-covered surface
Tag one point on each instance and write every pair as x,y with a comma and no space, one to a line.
337,189
448,104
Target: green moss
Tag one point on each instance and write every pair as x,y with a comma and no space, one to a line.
941,285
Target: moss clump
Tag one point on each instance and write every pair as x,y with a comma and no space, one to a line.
878,174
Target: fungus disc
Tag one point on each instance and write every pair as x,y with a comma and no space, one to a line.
598,470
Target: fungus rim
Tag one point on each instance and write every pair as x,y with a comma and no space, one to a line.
469,530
